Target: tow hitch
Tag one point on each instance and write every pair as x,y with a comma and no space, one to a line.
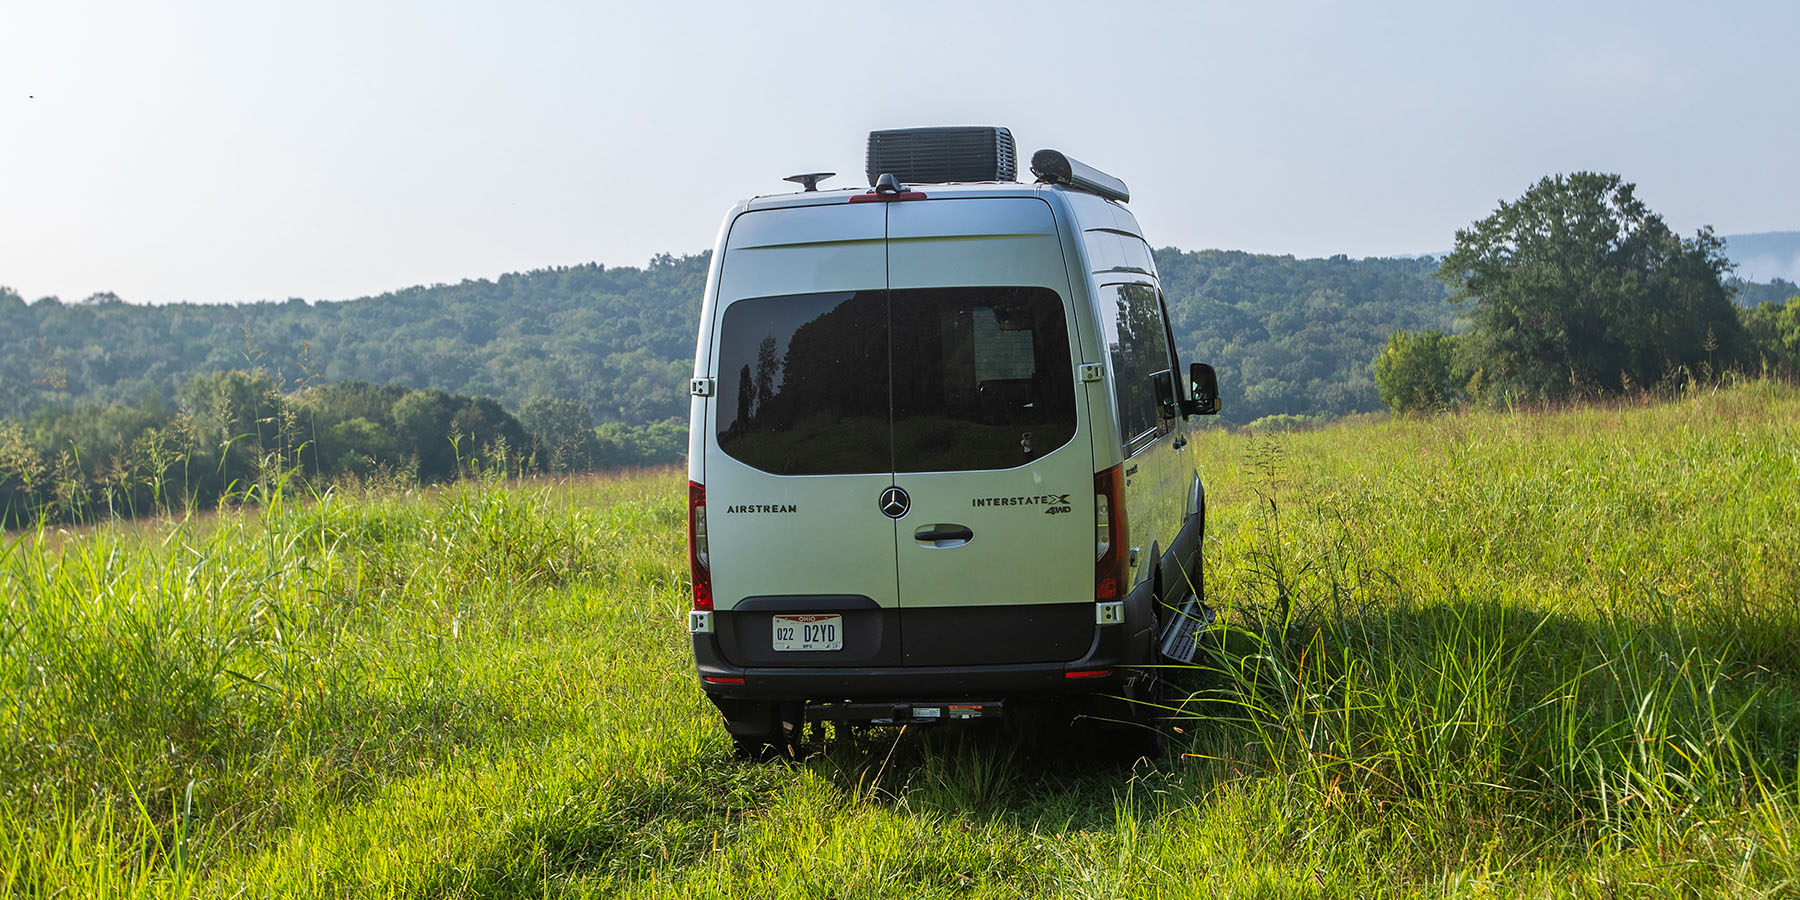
916,713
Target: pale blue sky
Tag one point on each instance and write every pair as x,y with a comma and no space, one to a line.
329,149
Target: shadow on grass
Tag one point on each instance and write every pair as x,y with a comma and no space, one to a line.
1465,715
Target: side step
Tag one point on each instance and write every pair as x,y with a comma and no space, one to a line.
1181,636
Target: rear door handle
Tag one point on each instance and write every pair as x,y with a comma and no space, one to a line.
944,535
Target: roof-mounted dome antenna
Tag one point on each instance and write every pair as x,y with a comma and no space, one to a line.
809,181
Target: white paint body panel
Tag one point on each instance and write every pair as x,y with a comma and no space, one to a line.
837,541
1022,553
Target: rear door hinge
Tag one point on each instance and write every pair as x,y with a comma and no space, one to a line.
1092,372
701,387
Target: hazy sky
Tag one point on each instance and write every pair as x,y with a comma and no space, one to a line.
325,149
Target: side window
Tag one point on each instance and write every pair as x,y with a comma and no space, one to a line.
1180,379
1138,347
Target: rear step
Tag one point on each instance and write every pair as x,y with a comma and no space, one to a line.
916,713
1181,637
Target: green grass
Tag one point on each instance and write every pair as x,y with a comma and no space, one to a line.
1485,655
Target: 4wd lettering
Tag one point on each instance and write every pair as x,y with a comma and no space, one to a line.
762,508
1052,500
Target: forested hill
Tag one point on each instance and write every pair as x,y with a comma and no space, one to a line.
1295,336
619,340
1289,335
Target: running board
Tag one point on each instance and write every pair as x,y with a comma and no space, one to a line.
1181,637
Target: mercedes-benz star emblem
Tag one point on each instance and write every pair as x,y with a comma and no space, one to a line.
895,502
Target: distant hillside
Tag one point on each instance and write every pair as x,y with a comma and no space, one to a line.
1293,335
618,340
1765,256
1288,335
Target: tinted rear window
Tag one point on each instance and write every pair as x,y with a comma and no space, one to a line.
981,380
803,383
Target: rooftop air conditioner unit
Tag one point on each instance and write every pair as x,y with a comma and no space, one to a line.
941,155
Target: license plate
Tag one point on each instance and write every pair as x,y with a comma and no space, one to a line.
809,632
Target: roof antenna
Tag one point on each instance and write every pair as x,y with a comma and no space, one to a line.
809,181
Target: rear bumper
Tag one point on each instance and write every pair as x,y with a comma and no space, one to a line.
911,682
1103,667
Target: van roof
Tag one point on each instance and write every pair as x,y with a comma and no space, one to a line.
1069,197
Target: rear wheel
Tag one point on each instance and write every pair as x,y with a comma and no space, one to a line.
1140,729
1125,727
765,750
762,731
1145,733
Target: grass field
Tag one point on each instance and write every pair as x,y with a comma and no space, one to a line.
1486,655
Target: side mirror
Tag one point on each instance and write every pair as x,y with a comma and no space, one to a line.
1163,385
1205,393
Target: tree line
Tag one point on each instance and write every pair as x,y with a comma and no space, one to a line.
612,346
235,435
1578,290
1287,335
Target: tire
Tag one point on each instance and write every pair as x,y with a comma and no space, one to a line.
763,731
1146,734
1126,728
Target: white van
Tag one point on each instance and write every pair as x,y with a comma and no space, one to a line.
938,458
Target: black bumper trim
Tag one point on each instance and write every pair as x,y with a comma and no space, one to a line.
912,682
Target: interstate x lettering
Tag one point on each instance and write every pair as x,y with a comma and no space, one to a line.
1038,500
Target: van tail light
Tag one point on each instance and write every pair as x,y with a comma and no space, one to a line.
699,566
1109,533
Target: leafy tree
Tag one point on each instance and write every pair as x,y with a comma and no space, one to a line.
422,424
1577,287
237,417
235,430
1774,335
1753,294
487,435
562,433
1415,371
657,444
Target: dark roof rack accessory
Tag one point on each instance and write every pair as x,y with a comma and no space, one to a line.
1053,167
942,155
809,181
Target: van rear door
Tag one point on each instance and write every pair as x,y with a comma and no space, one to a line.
996,551
798,450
